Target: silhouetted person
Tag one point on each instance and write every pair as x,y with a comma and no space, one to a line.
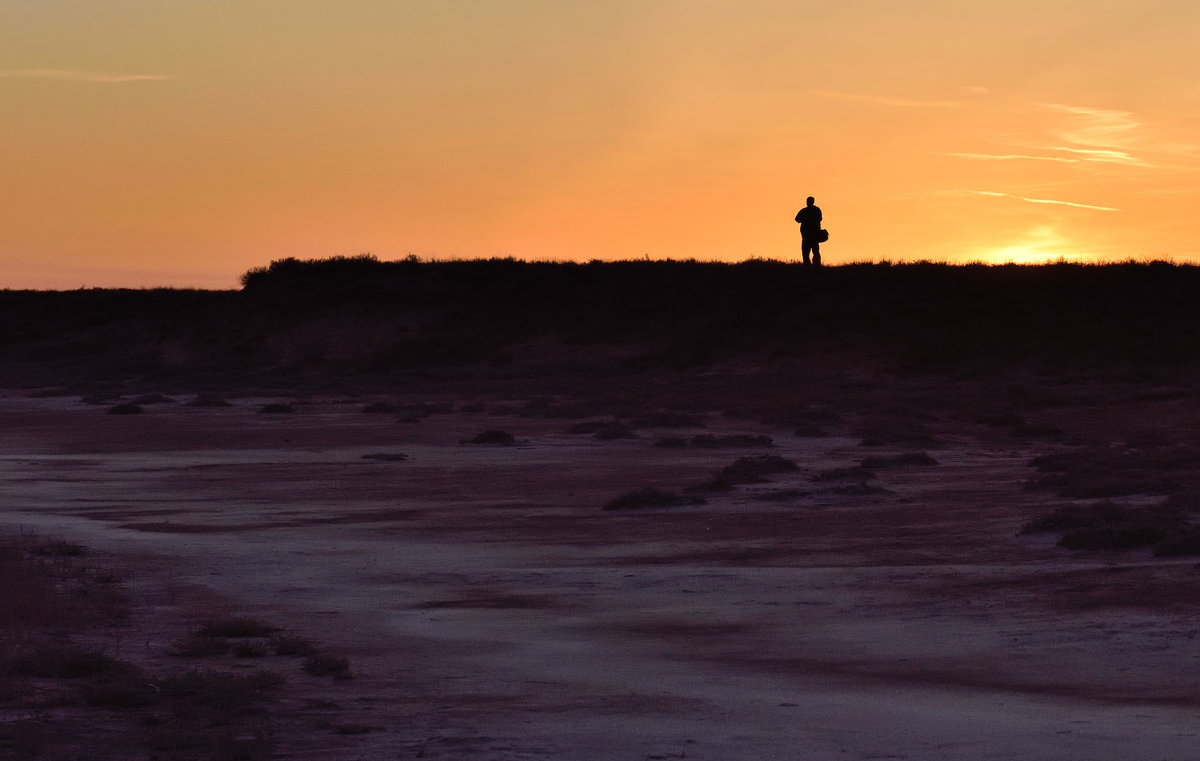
810,231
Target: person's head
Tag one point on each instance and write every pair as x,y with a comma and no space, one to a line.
810,201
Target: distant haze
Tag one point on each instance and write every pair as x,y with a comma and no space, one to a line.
181,143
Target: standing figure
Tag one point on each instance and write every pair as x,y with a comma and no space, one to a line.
810,231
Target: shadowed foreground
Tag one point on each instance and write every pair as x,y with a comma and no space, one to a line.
643,510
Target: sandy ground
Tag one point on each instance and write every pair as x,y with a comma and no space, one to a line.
493,610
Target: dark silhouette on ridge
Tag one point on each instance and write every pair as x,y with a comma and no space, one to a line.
811,234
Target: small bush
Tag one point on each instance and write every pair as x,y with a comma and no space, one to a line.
493,437
856,474
251,648
897,433
208,400
153,399
235,627
328,664
1102,471
58,548
731,441
907,459
747,470
650,497
1109,526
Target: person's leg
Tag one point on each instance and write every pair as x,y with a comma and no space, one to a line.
805,247
816,254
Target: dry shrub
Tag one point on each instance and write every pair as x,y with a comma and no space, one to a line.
1103,471
234,627
1109,526
493,437
747,470
857,474
732,441
328,664
208,400
650,497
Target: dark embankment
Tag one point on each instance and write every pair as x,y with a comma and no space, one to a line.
358,322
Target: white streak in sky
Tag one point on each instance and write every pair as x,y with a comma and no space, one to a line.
65,75
1104,156
994,194
1097,126
1011,157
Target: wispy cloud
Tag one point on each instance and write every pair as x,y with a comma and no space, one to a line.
1010,157
1097,126
994,194
1103,156
883,100
68,75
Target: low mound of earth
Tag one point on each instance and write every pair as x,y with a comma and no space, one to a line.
871,592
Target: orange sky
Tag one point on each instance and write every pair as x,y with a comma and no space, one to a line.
180,143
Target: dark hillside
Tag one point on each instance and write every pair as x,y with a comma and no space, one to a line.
357,321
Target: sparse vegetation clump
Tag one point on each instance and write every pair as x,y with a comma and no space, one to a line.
747,470
732,441
328,664
50,600
386,456
235,627
1100,472
858,474
1111,526
493,437
208,400
148,399
650,497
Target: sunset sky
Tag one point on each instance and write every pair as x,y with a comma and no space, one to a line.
148,143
